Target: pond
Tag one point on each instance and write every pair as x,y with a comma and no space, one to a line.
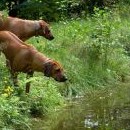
103,109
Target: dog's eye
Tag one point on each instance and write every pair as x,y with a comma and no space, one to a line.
48,31
57,70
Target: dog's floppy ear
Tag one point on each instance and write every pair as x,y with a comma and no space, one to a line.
43,26
48,69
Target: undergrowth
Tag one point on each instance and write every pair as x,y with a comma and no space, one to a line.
93,53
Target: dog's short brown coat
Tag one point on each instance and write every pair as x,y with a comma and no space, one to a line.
25,29
25,58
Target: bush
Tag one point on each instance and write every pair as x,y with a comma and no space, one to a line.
44,97
13,114
53,10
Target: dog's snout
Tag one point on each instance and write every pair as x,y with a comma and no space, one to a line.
63,79
51,38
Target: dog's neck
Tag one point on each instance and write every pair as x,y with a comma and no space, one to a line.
37,27
33,28
38,62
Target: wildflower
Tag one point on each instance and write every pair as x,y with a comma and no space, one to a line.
8,90
4,95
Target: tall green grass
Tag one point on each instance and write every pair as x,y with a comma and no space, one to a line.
92,52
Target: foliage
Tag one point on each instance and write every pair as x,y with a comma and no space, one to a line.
92,53
13,114
53,10
45,96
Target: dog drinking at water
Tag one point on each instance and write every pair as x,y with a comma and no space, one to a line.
25,58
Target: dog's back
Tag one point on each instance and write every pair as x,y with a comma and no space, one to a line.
19,54
15,25
11,45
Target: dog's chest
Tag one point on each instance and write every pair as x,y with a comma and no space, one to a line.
25,68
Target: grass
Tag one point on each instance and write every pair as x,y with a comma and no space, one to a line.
92,53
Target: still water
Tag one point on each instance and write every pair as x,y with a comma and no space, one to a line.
102,109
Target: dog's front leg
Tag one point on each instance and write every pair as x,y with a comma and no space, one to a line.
29,74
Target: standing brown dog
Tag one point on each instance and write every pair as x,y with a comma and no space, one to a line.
25,29
25,58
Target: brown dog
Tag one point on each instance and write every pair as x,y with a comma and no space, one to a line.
25,29
25,58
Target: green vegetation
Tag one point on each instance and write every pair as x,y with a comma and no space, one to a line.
54,10
92,52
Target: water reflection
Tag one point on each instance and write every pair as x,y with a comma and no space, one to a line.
101,110
108,119
89,122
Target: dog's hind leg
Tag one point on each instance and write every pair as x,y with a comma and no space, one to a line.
18,90
14,77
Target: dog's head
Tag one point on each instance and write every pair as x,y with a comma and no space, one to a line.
53,69
44,30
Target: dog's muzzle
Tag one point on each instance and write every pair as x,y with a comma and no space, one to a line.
50,38
61,79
